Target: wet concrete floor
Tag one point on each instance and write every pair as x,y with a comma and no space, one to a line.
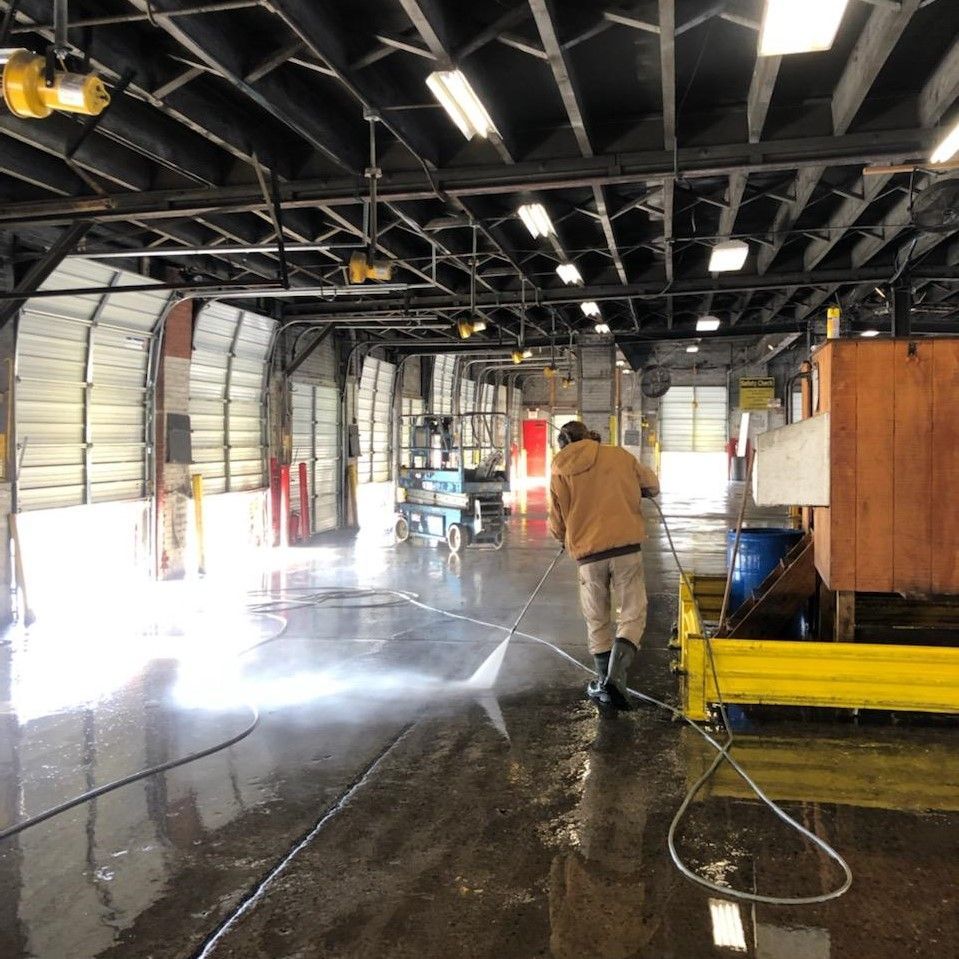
382,808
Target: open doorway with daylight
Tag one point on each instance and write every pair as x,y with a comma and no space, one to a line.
693,440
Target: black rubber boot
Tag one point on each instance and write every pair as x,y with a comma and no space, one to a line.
595,688
620,659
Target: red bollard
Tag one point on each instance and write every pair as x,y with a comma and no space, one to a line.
304,505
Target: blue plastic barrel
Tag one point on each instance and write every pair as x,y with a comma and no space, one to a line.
760,551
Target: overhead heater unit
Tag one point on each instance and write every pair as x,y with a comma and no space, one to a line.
33,88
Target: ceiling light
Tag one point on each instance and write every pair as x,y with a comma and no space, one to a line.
536,218
708,324
869,333
601,327
947,147
799,26
728,932
620,362
478,325
527,353
460,101
569,274
692,349
626,370
590,308
727,256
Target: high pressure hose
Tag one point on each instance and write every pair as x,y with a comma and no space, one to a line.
377,598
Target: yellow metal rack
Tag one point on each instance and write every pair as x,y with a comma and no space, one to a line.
797,673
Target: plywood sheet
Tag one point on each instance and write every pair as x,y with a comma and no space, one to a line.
875,458
945,467
912,495
841,401
792,464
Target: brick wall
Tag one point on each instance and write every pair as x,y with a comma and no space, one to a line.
174,499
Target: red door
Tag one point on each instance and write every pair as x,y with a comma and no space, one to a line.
534,442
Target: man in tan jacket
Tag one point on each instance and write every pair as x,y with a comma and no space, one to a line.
595,494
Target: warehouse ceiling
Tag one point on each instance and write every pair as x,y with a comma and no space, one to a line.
648,131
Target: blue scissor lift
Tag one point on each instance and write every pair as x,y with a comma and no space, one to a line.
451,476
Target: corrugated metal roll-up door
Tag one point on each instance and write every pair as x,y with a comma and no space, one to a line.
467,426
316,444
442,391
227,382
516,417
373,417
82,401
693,419
596,386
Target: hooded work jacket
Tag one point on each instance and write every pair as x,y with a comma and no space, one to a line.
595,494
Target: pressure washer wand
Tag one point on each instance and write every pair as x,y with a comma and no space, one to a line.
533,595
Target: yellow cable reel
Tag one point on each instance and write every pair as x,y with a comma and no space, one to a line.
27,95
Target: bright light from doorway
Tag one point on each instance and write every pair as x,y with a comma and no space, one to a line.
460,101
799,26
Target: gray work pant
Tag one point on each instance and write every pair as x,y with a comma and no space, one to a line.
613,584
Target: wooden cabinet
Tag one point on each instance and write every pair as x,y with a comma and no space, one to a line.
893,520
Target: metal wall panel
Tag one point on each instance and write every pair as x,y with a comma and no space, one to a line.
82,397
442,386
315,422
374,400
227,384
516,417
693,419
596,386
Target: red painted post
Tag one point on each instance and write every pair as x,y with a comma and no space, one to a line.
275,499
304,505
284,505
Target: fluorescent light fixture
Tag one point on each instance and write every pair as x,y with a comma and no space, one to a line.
948,146
728,256
460,101
536,218
569,274
708,324
799,26
601,327
692,349
869,333
590,308
728,932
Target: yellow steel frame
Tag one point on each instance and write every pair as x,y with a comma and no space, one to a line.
790,673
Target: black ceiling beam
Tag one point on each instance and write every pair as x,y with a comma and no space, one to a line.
651,290
495,180
115,50
220,44
41,269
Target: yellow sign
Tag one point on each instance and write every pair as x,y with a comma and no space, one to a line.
756,392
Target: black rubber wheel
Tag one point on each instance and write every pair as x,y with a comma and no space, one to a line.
454,537
401,529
